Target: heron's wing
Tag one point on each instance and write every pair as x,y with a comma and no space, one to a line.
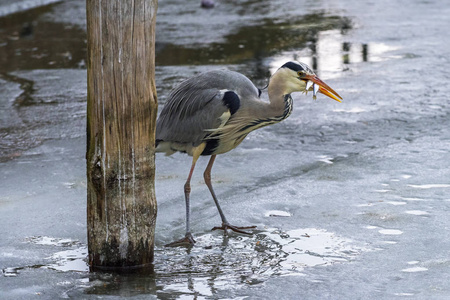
189,113
198,106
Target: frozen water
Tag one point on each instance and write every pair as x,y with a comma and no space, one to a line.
350,199
13,6
277,213
70,260
390,231
417,212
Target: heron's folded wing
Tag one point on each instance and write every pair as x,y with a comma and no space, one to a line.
190,113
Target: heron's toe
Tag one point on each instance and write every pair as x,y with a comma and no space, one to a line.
187,241
239,229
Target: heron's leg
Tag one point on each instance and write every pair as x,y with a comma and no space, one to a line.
187,192
188,239
207,177
225,224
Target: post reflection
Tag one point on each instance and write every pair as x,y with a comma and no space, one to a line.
329,54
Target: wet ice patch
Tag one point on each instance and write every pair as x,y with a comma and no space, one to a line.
429,186
351,110
201,287
69,185
404,294
415,269
413,199
240,260
50,241
10,272
390,231
277,213
381,52
395,203
364,205
417,212
70,260
326,159
311,247
73,259
383,191
390,242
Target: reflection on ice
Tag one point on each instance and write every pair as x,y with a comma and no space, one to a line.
218,262
330,54
379,52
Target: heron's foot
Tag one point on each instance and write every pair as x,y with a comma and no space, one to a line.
187,241
226,226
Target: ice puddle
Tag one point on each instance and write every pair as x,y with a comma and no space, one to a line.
237,258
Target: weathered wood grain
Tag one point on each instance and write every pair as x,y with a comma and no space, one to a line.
121,120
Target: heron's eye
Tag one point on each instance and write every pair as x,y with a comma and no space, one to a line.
300,73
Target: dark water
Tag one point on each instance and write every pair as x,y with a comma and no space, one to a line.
350,199
32,40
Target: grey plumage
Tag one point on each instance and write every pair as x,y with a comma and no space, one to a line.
194,109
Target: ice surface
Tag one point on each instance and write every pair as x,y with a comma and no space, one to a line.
70,260
350,199
13,6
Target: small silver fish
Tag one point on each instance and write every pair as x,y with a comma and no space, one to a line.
315,90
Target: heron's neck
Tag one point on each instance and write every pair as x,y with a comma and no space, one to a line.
279,92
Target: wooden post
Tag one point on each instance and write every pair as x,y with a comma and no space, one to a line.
121,120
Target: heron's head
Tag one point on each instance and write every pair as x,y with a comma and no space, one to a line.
298,77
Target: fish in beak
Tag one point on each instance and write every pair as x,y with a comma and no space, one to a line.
317,85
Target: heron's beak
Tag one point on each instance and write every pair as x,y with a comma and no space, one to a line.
313,80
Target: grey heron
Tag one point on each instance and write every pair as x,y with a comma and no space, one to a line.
213,112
